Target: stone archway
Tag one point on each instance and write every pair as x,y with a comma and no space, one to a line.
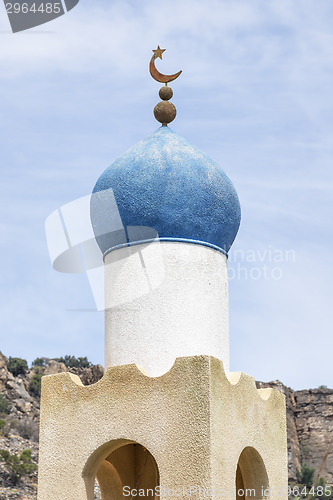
121,467
251,476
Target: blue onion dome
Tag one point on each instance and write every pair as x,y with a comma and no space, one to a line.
164,188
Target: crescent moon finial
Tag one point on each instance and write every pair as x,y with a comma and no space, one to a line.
159,77
164,111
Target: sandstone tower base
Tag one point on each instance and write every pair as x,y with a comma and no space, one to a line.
192,432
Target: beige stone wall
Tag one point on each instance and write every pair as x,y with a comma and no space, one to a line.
243,417
193,420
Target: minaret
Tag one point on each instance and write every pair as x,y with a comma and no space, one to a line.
166,272
167,419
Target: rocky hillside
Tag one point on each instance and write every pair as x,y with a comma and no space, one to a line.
309,420
309,428
19,420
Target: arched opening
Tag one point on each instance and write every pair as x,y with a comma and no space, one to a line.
123,469
251,476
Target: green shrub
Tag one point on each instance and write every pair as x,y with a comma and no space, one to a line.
36,384
322,387
305,475
4,428
17,366
4,405
73,362
41,362
305,451
18,465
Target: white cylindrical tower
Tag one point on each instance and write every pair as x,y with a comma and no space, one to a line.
165,300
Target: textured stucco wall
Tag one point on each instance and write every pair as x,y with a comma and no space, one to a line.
243,416
165,300
193,420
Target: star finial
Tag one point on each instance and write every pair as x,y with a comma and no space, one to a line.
158,52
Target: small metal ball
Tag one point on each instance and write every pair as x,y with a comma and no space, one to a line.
165,112
165,93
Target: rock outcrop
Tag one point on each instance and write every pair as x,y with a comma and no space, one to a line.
20,421
309,428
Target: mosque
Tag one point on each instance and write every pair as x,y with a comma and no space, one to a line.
168,418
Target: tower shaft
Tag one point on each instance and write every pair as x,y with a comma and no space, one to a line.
165,300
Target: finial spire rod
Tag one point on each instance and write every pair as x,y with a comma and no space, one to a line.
164,112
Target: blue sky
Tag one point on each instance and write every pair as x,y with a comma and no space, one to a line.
255,95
